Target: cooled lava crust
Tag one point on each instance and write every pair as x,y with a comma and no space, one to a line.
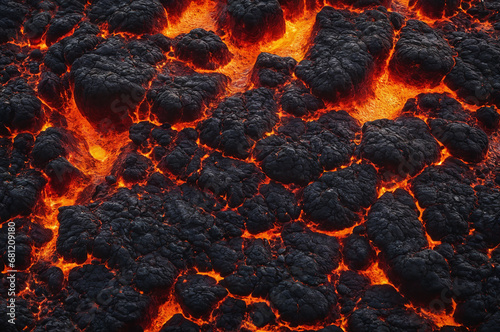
250,165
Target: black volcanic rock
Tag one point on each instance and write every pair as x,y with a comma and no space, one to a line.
345,50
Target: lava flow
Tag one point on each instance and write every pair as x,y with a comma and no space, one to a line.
250,165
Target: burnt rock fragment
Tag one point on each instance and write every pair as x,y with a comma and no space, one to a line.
12,14
274,203
183,98
109,82
62,54
229,315
485,217
202,48
68,15
477,70
421,56
252,21
297,100
358,252
445,193
62,174
452,125
19,193
488,118
239,121
50,144
337,198
198,294
20,108
301,304
136,167
393,225
271,70
230,178
261,314
134,16
302,150
401,147
118,306
345,50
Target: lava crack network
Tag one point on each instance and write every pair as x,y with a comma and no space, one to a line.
249,165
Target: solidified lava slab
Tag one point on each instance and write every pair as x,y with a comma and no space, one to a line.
224,165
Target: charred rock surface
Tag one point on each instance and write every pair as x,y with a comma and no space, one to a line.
345,50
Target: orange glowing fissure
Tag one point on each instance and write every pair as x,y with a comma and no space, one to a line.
99,151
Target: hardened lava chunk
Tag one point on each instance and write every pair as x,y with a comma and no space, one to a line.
198,294
393,225
110,81
451,124
67,16
51,144
488,118
202,48
239,121
63,53
297,100
445,193
302,150
28,235
182,98
337,198
421,56
12,16
382,308
20,108
400,147
298,303
19,193
134,16
230,314
249,21
345,50
271,70
230,178
476,73
486,217
436,9
118,306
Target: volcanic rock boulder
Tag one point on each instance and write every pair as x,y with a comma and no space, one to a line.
445,193
274,204
198,294
401,147
476,73
202,48
20,108
298,100
337,198
67,16
239,121
232,179
452,125
134,16
421,56
249,21
272,70
183,98
63,53
302,150
110,81
345,50
12,15
117,306
393,225
486,217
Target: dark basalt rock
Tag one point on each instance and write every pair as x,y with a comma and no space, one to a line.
250,21
345,50
272,70
202,48
421,56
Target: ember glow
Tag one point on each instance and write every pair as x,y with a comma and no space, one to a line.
250,165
